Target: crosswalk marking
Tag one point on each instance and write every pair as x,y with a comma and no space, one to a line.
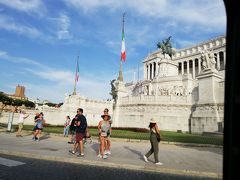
10,163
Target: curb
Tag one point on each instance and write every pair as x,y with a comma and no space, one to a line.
114,165
138,140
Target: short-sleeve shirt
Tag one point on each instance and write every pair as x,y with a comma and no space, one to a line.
83,124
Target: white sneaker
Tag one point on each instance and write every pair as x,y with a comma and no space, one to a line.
107,152
105,157
99,155
145,158
159,163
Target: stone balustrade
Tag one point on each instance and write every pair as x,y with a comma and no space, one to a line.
143,99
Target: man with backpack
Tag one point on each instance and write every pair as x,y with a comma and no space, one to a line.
81,126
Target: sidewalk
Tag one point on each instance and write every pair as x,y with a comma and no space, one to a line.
176,159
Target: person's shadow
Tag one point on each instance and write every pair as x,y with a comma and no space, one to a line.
95,147
140,155
45,136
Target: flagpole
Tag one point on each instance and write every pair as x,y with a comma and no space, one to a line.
75,82
120,76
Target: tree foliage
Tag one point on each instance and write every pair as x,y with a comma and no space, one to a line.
15,102
5,99
54,104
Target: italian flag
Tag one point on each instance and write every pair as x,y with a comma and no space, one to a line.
123,52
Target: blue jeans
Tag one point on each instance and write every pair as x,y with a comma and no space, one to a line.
65,131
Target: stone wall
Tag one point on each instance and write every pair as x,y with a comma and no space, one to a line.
208,118
93,109
28,121
171,117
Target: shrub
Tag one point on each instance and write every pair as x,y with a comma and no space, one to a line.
134,129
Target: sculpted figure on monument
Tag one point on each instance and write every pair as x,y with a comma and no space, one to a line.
208,60
178,91
66,97
166,47
146,90
113,90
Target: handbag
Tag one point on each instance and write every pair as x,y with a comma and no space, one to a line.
87,133
158,137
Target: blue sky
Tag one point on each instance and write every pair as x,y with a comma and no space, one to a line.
40,40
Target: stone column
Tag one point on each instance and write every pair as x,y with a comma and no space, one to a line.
148,72
193,68
152,69
182,67
144,71
187,67
157,66
224,58
218,62
199,65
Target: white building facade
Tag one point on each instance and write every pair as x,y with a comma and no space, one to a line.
179,93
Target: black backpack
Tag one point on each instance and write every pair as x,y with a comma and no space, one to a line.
83,123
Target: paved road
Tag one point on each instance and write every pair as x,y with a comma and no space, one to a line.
28,168
177,159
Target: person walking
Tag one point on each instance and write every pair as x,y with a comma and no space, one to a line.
154,140
40,121
21,118
66,126
81,126
72,129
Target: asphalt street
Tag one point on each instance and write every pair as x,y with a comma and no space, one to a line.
27,168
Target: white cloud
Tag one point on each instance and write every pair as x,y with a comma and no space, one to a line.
87,85
56,82
52,92
20,60
64,82
184,43
3,54
55,75
55,91
9,24
204,13
63,24
25,6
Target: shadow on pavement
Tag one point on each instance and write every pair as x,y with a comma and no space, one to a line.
216,150
45,136
95,147
139,153
28,134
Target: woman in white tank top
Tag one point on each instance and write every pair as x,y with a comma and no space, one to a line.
103,128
